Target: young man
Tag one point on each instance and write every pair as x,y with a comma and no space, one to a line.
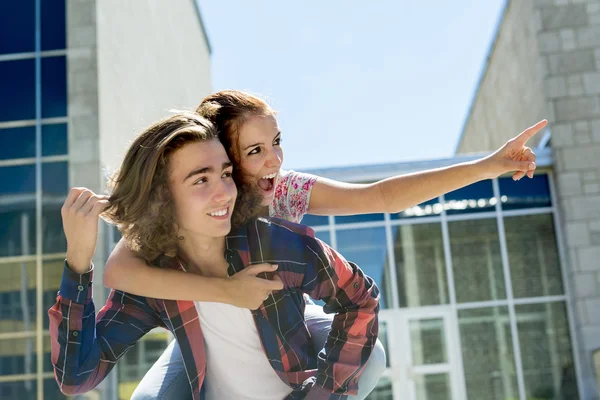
177,170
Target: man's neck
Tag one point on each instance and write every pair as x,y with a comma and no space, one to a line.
204,255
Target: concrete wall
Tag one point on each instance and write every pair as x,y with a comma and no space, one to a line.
84,136
511,94
152,56
569,37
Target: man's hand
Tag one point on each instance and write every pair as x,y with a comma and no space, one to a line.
80,214
246,290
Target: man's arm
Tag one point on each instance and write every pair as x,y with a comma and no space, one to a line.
85,348
354,298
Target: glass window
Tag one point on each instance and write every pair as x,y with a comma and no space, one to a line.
433,387
20,142
546,351
53,270
367,248
138,360
51,390
596,359
348,219
526,193
487,352
18,179
54,239
429,208
55,187
383,390
28,389
54,24
478,197
324,236
427,341
17,236
17,27
54,87
476,260
315,220
420,265
55,178
533,256
54,140
18,89
384,339
18,308
20,389
17,142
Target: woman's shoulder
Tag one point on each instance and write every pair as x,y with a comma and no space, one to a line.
292,195
295,180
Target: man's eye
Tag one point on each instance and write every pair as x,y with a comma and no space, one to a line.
201,180
227,174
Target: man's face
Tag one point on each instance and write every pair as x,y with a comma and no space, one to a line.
202,189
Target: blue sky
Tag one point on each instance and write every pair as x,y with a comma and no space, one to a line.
356,82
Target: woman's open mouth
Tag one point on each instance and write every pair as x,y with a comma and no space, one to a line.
267,182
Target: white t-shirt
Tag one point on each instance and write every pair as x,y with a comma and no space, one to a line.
236,364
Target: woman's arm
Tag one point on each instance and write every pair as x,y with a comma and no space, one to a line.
398,193
124,271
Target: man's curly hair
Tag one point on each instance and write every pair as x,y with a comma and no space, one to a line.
141,205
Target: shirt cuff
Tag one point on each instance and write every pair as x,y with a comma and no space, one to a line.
76,287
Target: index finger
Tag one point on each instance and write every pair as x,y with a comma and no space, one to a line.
259,268
274,284
528,133
73,195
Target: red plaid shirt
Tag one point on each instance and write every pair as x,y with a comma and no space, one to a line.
84,348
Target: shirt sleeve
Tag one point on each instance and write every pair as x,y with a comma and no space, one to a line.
85,348
292,195
354,298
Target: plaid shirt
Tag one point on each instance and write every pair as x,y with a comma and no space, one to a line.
85,349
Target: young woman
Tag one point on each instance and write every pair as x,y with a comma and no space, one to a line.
249,130
174,200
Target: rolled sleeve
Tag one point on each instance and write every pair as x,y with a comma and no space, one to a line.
76,287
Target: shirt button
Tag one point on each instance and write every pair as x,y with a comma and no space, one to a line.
355,285
75,333
80,288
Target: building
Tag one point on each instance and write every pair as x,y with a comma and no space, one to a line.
492,291
78,79
488,292
546,62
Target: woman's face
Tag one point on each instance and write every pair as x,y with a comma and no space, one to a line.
260,153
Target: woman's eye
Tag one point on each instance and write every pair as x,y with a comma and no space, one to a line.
277,142
256,150
227,174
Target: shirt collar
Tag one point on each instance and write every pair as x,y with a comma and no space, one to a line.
237,239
